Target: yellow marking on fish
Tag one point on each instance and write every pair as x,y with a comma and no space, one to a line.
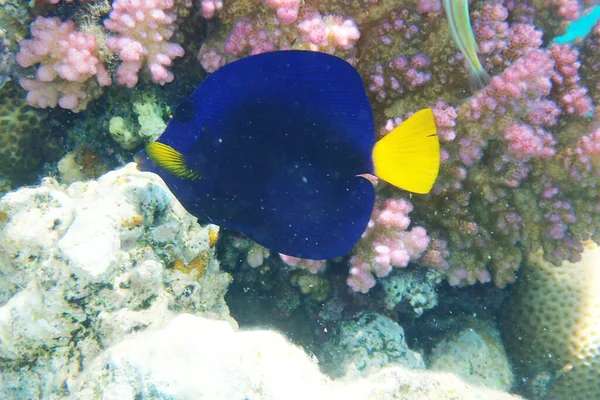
462,33
409,156
170,160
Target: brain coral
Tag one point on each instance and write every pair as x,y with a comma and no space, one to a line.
20,133
551,325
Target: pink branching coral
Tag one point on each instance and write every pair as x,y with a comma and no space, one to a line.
385,244
209,8
502,189
144,28
429,6
500,186
281,25
403,74
69,72
390,64
287,10
584,167
501,43
312,266
590,63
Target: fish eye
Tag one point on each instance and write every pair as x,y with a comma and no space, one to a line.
184,111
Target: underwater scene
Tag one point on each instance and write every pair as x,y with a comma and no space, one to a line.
300,199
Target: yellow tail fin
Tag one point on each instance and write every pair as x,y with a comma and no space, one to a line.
409,156
169,160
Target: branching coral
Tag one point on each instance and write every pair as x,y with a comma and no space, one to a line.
69,72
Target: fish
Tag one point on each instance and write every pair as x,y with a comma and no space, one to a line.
462,33
278,146
578,30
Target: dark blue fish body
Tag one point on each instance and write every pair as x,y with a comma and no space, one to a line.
274,145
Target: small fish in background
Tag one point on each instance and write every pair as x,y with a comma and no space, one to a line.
578,30
462,33
277,146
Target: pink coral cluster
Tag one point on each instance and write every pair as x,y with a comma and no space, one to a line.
507,140
568,9
429,6
69,72
144,28
328,33
583,163
390,64
248,37
402,74
312,266
209,8
386,243
590,63
520,88
501,43
503,186
287,10
285,25
571,94
525,142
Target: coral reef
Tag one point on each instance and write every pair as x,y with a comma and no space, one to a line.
69,72
501,154
255,26
556,348
14,20
411,291
385,243
317,286
14,152
590,63
501,190
144,29
85,265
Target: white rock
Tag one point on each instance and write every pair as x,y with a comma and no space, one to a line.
80,270
193,358
198,358
476,354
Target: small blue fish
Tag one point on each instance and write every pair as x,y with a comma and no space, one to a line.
277,145
462,32
578,30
